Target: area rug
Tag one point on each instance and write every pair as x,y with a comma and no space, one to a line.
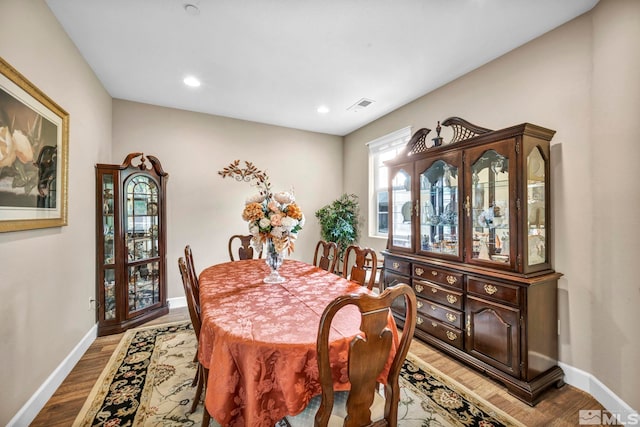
147,382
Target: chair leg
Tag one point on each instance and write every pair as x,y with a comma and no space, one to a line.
196,378
206,418
196,398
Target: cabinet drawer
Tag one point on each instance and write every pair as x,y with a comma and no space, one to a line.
440,312
441,331
392,279
397,265
437,275
498,291
435,293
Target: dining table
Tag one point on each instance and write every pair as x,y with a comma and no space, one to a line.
258,340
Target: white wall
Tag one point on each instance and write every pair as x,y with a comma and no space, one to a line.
203,209
582,81
47,277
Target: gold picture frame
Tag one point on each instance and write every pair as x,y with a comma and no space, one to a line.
34,152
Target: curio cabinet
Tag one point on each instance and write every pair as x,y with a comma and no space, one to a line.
469,229
131,241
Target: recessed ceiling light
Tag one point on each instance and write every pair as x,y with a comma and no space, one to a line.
323,109
191,81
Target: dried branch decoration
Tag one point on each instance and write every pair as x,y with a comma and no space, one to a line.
274,219
250,172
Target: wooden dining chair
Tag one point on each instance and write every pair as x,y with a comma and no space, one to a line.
188,256
200,379
244,250
326,256
360,265
369,351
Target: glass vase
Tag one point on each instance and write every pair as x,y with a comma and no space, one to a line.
274,261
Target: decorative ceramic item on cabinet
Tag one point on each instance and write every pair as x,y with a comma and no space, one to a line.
130,209
476,249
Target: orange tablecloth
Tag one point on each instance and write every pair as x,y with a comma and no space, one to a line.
258,340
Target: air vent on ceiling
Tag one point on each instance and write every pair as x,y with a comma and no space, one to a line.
360,105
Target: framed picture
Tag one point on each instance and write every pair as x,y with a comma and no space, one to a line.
34,147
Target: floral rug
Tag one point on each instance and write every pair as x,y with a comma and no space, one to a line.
147,382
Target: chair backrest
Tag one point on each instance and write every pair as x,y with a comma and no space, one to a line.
326,256
189,291
368,354
357,262
245,250
188,256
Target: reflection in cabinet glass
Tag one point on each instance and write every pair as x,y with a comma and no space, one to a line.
144,289
131,243
439,230
477,254
537,236
489,206
109,294
107,218
402,209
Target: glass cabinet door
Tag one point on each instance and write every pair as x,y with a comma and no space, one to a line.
108,247
487,205
402,209
438,202
141,241
536,239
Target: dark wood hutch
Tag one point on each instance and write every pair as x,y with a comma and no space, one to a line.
469,230
131,243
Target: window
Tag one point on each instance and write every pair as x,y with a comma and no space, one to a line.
380,150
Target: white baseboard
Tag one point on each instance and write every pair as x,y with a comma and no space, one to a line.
572,376
177,302
590,384
34,405
30,410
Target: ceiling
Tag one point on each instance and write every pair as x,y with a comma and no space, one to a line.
277,61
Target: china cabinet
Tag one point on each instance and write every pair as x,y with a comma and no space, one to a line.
130,236
469,230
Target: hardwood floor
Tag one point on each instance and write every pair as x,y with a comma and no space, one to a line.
558,408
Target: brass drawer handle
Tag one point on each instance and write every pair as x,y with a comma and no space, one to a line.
419,320
452,279
490,289
452,299
419,304
451,317
434,273
451,336
434,308
419,271
468,325
434,290
419,288
396,265
434,324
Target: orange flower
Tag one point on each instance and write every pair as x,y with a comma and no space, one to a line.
253,212
294,211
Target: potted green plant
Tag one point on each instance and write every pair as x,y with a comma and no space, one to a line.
340,221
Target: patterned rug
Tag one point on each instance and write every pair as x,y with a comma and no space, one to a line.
147,382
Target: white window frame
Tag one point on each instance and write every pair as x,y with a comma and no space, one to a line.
386,147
